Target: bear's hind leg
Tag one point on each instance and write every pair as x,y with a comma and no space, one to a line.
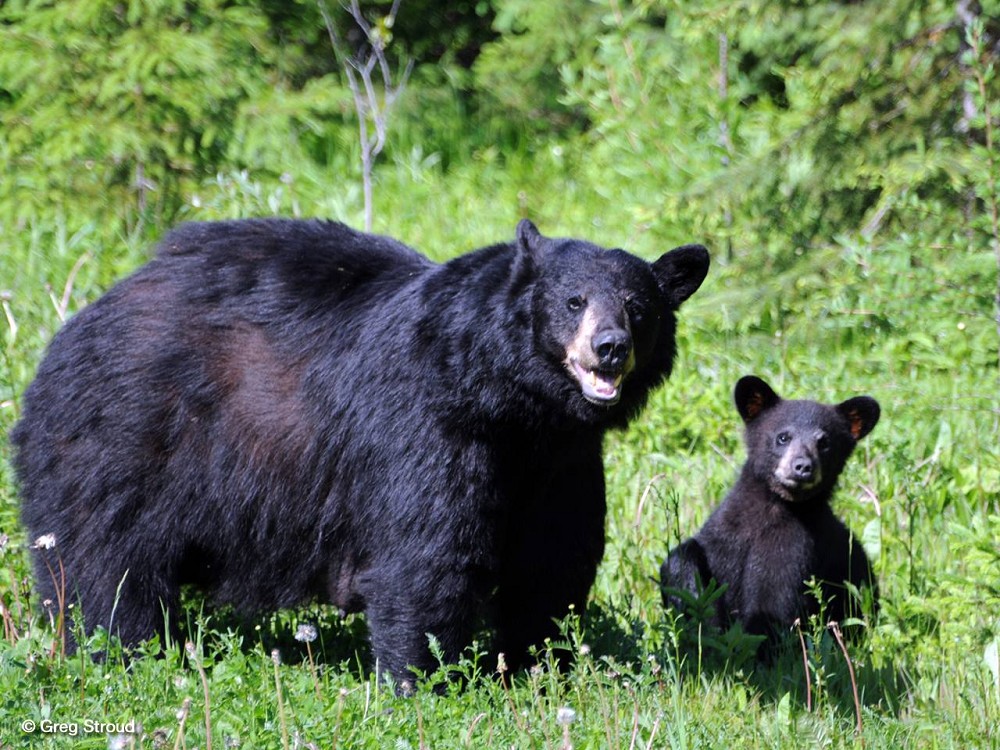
133,604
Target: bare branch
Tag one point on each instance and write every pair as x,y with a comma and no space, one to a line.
368,104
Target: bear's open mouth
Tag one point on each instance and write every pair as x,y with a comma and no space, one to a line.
599,387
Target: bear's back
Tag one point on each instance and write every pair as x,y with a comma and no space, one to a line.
312,264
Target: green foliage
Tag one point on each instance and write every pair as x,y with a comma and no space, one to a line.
521,71
832,118
123,97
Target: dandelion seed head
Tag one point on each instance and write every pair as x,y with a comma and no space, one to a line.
45,541
276,656
565,716
305,633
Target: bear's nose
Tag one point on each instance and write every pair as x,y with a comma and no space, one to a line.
803,467
612,347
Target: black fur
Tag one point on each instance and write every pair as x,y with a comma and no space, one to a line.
775,529
279,410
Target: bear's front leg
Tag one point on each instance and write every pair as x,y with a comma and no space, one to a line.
407,604
686,569
771,598
549,561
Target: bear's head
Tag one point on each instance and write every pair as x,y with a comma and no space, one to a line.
799,448
605,319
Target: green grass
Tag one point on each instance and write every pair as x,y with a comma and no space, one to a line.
906,320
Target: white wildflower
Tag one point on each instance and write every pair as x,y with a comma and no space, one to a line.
45,541
565,716
305,633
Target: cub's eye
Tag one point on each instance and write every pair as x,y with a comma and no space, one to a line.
783,438
575,304
823,444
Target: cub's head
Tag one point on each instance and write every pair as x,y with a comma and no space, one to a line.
800,447
605,319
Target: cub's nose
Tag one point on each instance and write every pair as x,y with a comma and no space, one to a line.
612,347
804,468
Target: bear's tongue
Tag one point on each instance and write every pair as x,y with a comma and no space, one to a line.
597,386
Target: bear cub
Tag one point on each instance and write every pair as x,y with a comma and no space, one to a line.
775,529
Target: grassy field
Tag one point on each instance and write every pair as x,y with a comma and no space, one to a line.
902,319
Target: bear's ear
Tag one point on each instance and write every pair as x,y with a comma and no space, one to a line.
753,396
680,272
862,413
529,239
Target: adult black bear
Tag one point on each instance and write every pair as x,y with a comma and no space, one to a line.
775,529
279,410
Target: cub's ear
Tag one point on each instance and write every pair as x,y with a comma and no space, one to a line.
680,272
861,413
753,396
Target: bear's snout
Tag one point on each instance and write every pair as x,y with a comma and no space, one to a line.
600,356
799,468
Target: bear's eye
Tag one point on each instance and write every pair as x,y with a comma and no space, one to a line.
823,444
634,309
783,438
575,303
